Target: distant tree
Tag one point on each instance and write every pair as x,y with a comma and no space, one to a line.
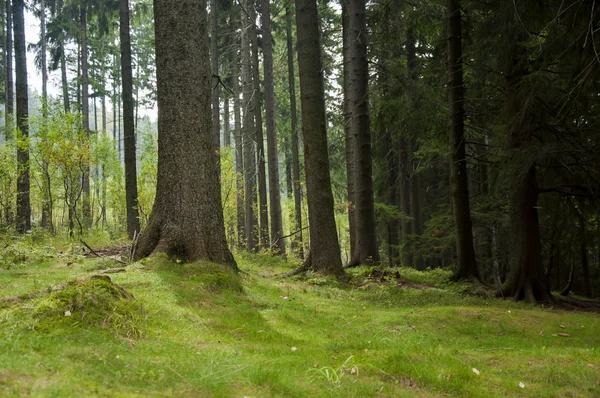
187,218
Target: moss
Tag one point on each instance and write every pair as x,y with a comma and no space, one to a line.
83,303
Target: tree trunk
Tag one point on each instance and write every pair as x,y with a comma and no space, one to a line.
9,89
131,192
226,126
187,219
249,134
325,249
46,221
358,102
467,266
297,239
23,221
277,242
214,62
63,75
349,154
260,146
404,177
587,289
239,151
85,114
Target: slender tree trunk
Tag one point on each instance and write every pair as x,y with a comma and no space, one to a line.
325,250
63,75
9,90
277,242
226,126
85,114
350,165
23,183
131,192
404,178
214,61
249,134
297,239
587,288
358,102
187,219
260,146
467,266
239,152
46,220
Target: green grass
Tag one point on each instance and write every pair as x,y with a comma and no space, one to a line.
201,330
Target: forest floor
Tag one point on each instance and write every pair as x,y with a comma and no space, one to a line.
167,329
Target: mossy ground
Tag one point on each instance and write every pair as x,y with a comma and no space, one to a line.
201,330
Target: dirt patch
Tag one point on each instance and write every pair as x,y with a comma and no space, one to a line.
391,279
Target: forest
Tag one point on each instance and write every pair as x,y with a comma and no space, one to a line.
299,198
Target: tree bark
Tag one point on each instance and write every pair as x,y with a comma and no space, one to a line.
325,249
297,239
214,62
239,151
404,177
249,134
467,266
260,146
9,89
23,221
359,129
131,191
587,288
85,114
63,75
277,242
187,219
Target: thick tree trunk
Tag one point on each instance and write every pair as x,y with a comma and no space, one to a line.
239,151
467,266
131,192
349,154
187,218
325,249
249,134
214,62
297,239
9,89
358,102
277,242
23,221
85,114
260,146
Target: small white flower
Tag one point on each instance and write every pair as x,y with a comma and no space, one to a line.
294,349
521,384
67,313
476,371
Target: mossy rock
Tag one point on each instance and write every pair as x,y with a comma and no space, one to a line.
96,302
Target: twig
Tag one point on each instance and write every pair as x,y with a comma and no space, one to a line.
133,246
99,256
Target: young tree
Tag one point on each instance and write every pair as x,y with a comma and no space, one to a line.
85,110
23,183
467,266
325,250
187,218
9,85
131,194
274,191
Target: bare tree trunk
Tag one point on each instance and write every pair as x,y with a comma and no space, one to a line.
404,177
239,151
325,249
467,266
277,242
85,114
131,192
187,218
297,239
46,221
249,134
63,75
9,90
226,126
587,288
23,221
260,146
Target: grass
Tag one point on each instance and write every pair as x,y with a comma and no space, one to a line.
201,330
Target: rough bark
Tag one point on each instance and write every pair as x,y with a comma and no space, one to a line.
131,192
85,113
214,62
187,218
297,239
260,146
23,220
325,249
277,242
467,266
359,129
249,135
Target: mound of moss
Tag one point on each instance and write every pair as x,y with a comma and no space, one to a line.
96,302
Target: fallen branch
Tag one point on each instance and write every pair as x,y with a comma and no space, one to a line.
99,256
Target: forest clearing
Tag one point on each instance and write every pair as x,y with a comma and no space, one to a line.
200,329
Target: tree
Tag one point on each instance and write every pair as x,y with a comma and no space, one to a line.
187,217
214,61
467,266
85,110
23,221
325,250
359,129
277,241
9,85
131,194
